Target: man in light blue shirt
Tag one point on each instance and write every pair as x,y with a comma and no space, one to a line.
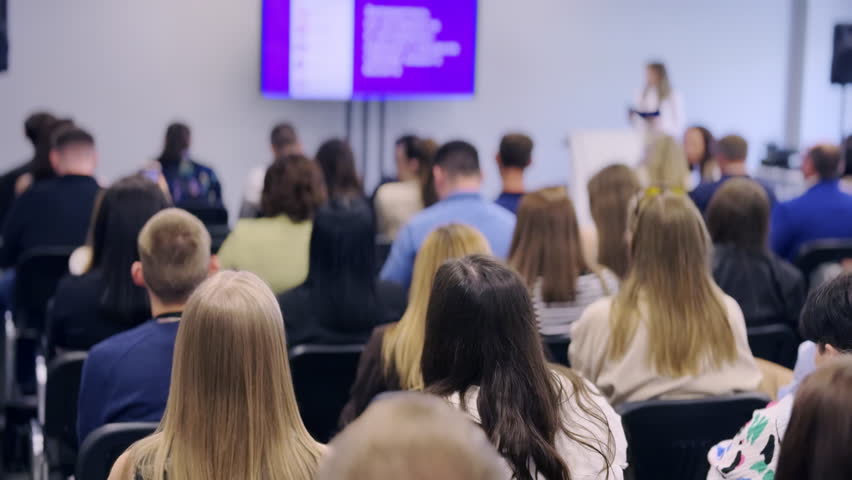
457,182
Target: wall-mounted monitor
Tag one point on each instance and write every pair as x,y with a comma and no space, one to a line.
368,49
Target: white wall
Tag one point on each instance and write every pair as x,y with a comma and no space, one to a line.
124,69
820,99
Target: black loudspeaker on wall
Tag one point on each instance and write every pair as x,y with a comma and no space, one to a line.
4,37
841,64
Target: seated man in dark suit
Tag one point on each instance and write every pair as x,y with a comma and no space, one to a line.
35,126
55,212
824,211
126,377
730,153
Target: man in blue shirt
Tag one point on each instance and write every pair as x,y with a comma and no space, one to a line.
514,157
730,153
824,211
457,182
126,377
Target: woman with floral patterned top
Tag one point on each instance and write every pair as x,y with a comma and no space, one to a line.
754,452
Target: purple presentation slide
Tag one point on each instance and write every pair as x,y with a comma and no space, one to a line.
368,49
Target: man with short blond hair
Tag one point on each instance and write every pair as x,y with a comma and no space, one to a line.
126,377
412,436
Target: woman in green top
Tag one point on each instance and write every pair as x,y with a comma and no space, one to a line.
275,246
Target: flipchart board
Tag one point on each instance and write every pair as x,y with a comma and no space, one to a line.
593,149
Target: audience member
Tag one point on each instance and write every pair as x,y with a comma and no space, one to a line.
283,141
768,290
35,127
610,193
824,211
482,352
275,247
55,212
232,412
730,154
341,301
514,157
337,163
90,308
391,359
457,182
192,185
427,173
412,436
396,202
664,165
670,332
547,252
826,322
698,146
816,443
126,377
42,165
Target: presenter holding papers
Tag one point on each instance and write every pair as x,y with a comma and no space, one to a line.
657,108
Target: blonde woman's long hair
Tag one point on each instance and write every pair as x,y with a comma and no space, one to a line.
402,345
546,244
671,284
610,193
231,411
666,164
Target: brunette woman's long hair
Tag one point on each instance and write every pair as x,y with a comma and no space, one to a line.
481,331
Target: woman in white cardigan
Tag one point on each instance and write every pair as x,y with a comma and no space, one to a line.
670,332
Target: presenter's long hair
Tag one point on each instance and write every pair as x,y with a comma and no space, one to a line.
670,281
664,87
402,345
816,443
546,244
231,411
481,332
610,193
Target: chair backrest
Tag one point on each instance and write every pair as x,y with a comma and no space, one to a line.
60,406
383,248
37,274
669,439
102,447
557,348
777,343
322,378
209,215
218,234
814,254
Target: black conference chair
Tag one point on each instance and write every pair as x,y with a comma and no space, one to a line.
54,434
383,248
669,439
214,218
38,273
102,447
322,378
813,255
777,343
557,349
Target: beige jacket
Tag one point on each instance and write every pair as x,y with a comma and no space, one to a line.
632,379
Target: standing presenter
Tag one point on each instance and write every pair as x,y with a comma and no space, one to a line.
657,107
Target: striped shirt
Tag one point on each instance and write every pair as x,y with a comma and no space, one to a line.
555,318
